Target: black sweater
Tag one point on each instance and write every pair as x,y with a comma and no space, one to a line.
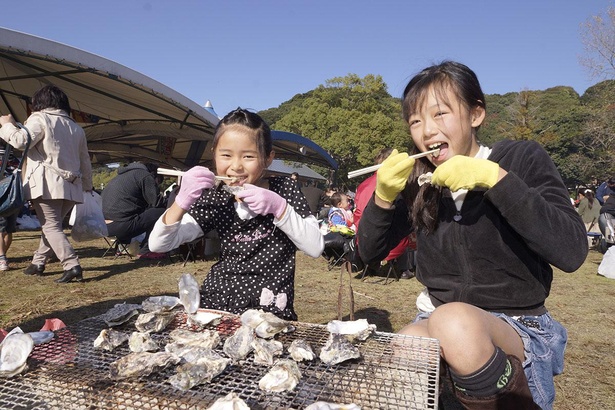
131,192
498,256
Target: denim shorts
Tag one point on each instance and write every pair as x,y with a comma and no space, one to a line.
544,343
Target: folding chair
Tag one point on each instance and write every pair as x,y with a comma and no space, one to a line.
334,251
389,264
117,246
192,249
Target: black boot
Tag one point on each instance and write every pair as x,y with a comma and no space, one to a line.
73,273
33,269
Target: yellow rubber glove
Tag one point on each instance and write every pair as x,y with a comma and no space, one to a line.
461,172
393,175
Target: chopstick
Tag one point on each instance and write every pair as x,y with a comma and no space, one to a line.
373,168
177,173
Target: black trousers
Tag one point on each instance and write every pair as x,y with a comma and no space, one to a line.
138,224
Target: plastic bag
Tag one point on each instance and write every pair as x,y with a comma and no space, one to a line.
607,266
87,219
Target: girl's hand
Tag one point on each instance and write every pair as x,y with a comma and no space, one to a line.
7,119
262,201
193,182
393,175
461,172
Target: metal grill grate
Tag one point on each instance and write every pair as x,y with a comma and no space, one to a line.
395,372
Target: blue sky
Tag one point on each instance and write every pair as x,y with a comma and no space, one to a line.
258,54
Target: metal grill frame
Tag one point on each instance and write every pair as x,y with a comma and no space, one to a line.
394,372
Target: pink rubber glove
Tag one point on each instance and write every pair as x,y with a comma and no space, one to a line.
194,181
262,201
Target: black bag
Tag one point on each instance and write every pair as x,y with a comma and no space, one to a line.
11,188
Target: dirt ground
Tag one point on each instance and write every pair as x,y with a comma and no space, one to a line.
583,301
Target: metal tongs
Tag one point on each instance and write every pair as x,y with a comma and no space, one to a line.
373,168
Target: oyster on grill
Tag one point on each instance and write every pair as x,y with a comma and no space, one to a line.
322,405
109,339
265,350
142,342
265,324
208,339
353,330
154,321
14,352
200,369
338,349
229,402
160,303
189,294
120,314
141,364
239,345
203,318
301,350
283,376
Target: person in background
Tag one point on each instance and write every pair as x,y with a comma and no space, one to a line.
8,225
490,224
340,215
261,223
55,175
402,252
605,189
589,209
131,205
315,196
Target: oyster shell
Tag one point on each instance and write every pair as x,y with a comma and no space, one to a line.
160,303
142,342
338,349
231,401
109,339
283,376
323,405
265,350
189,294
120,314
14,352
239,345
265,324
208,339
154,321
203,318
202,368
141,364
301,350
424,178
353,330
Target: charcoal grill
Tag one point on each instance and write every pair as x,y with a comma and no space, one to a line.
395,372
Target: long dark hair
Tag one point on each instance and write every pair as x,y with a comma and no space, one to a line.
50,96
262,133
463,82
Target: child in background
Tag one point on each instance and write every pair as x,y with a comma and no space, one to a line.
261,223
341,218
489,226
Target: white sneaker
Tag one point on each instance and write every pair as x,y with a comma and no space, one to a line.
4,264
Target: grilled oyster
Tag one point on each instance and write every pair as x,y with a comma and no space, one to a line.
208,339
265,324
141,364
109,339
283,376
353,330
265,350
203,318
189,294
239,345
120,314
142,342
301,350
322,405
201,368
338,349
154,321
229,402
14,352
160,303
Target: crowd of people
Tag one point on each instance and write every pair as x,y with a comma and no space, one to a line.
489,223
